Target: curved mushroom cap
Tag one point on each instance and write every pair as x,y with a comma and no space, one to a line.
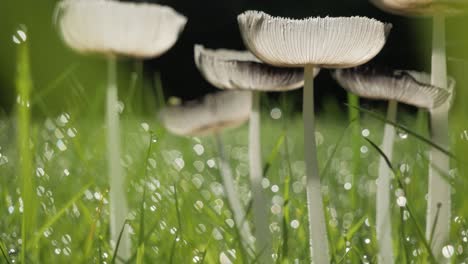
118,28
328,42
229,69
211,114
408,87
421,7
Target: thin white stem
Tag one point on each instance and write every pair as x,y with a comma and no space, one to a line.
439,189
318,238
383,205
117,196
233,196
260,204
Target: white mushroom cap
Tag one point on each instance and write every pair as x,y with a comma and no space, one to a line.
408,87
328,42
118,28
230,69
213,113
422,7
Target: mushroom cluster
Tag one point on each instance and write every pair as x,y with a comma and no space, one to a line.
281,55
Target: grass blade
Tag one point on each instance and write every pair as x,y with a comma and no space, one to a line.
407,206
58,215
114,257
414,134
4,250
273,154
25,157
141,237
54,84
335,149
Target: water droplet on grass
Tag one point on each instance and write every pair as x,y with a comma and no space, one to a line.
348,186
20,35
71,132
61,145
217,235
365,132
145,126
295,224
211,163
276,113
401,201
448,251
199,149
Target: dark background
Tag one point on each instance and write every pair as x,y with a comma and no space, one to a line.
212,23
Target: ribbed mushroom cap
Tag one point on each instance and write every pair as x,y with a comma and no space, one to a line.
213,113
230,69
422,7
118,28
329,42
408,87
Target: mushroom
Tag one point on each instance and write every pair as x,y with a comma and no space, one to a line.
408,87
439,189
115,29
313,42
241,70
210,116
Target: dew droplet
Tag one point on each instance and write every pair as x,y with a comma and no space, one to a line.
365,132
276,113
448,251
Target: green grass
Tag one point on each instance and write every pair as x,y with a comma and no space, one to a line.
178,211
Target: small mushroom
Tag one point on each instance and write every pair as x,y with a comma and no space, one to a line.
439,189
241,70
112,28
211,115
313,42
407,87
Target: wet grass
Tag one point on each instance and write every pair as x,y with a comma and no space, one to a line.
178,210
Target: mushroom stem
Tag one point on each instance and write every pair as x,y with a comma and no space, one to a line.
118,202
260,204
318,239
439,189
383,205
232,196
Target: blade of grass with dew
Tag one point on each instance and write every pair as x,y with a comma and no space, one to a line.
25,157
273,154
53,84
4,251
92,231
141,237
286,214
338,143
116,250
37,236
414,134
420,233
351,232
403,235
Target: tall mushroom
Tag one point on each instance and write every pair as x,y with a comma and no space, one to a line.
112,28
439,192
394,86
210,116
241,70
313,42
